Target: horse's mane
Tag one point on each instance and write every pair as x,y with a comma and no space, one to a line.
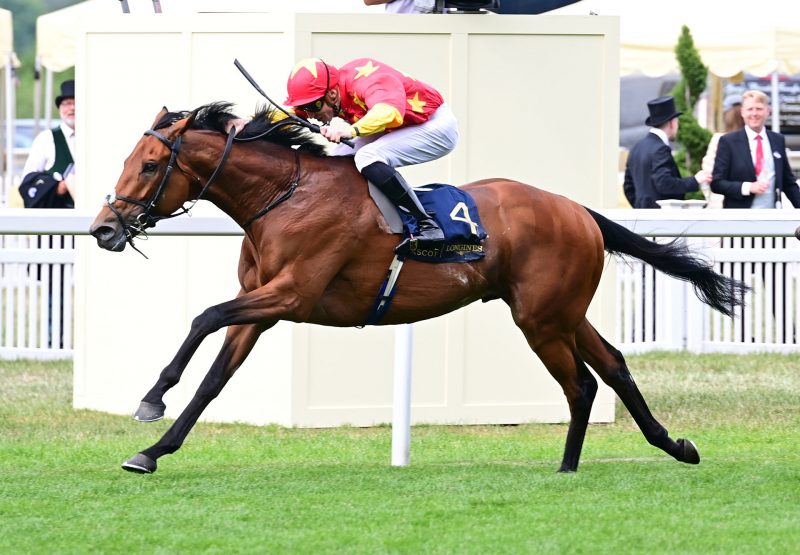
216,115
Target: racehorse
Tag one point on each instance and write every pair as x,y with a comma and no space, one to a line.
304,214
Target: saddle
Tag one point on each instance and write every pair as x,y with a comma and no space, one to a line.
457,215
454,211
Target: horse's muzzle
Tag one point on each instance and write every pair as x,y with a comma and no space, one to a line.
109,235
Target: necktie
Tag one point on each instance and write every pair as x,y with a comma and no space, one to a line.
759,156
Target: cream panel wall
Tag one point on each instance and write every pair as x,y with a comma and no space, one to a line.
537,100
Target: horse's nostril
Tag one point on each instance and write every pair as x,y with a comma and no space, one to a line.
103,232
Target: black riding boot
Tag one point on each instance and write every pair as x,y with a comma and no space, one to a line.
392,184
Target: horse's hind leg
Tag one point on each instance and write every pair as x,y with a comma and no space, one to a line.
558,353
610,365
239,341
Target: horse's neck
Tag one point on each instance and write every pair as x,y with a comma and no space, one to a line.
251,180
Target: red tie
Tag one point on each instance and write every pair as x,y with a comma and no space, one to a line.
759,156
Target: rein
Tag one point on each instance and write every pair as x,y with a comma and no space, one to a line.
284,197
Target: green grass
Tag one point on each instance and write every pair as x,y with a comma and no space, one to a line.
481,489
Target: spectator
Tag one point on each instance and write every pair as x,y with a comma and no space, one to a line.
732,121
48,182
48,176
751,168
651,173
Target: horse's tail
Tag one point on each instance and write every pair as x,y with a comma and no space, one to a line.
675,259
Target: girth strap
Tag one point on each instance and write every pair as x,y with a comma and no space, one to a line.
387,291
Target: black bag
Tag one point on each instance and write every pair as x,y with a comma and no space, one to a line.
39,190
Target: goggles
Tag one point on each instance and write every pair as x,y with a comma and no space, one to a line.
313,107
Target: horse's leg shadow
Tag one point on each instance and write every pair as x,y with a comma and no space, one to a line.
610,365
239,341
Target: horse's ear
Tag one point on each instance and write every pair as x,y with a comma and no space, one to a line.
160,115
187,122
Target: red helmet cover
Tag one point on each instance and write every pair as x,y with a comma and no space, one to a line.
309,80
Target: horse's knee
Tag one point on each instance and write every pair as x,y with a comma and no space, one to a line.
207,321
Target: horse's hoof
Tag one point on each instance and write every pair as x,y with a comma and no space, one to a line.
148,412
688,451
566,468
140,464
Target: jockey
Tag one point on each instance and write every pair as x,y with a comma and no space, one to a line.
393,119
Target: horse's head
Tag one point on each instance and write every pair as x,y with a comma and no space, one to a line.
148,189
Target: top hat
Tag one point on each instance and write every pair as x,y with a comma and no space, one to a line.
67,91
662,109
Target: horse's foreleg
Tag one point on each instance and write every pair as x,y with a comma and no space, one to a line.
152,406
610,365
239,341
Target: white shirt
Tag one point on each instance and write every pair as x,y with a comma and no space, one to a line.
660,134
401,6
765,146
43,150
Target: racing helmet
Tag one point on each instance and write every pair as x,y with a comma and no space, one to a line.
309,80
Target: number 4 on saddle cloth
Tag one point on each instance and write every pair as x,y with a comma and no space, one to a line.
457,215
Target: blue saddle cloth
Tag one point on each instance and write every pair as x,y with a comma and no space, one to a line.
457,215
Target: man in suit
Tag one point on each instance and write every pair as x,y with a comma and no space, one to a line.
751,168
651,173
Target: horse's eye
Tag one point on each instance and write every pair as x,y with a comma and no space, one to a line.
149,167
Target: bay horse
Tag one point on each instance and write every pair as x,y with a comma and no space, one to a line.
302,211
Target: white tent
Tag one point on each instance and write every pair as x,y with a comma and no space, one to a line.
732,36
57,31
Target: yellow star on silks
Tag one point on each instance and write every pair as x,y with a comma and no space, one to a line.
358,101
309,63
416,103
366,70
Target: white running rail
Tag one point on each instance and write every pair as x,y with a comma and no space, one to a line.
654,311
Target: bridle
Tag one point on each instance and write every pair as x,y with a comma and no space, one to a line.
148,218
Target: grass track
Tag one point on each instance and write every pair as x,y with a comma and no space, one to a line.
481,489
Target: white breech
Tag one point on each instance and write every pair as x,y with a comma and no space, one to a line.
406,146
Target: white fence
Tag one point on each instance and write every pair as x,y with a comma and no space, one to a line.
659,312
654,311
36,293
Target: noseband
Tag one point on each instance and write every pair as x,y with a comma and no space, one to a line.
147,218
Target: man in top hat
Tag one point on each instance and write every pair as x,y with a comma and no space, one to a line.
651,173
48,175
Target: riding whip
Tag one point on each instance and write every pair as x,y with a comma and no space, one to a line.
294,117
